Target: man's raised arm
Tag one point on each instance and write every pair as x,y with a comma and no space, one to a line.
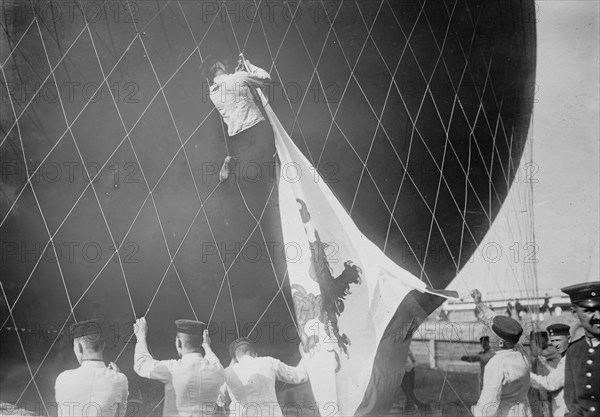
144,364
254,75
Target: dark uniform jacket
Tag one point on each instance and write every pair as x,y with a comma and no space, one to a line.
582,379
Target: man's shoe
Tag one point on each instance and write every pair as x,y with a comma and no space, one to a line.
227,168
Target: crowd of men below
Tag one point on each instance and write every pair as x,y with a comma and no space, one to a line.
558,377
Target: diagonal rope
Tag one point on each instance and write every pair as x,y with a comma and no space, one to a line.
279,283
379,121
39,206
143,177
269,255
135,217
410,144
94,280
107,161
17,44
87,172
127,133
398,157
447,139
364,165
83,30
267,200
274,67
128,232
499,118
161,88
99,273
23,349
350,144
471,126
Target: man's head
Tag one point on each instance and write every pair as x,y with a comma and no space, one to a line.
88,340
241,347
485,342
559,336
506,333
211,67
189,336
585,305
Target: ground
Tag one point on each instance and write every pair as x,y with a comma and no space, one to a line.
451,394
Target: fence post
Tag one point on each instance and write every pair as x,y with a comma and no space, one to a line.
432,353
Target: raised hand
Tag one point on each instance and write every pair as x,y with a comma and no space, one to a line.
476,294
241,63
141,328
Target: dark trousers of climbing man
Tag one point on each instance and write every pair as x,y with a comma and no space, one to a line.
255,171
254,188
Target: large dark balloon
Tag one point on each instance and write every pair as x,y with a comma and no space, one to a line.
415,113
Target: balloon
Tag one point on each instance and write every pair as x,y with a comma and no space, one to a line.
415,113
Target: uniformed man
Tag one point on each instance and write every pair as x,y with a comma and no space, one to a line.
251,380
93,388
554,380
192,383
582,366
482,357
506,376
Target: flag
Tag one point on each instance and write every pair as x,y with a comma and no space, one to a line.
346,293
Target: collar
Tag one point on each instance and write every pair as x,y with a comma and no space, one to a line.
595,342
220,77
515,348
93,363
192,355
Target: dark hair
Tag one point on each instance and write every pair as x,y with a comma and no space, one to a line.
190,341
245,349
92,343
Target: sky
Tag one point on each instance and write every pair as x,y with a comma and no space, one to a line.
562,164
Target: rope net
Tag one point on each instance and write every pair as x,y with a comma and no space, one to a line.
415,113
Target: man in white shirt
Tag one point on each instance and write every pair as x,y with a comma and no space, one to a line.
555,380
251,143
93,388
251,381
193,382
506,376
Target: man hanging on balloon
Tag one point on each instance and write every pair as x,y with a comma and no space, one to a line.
233,94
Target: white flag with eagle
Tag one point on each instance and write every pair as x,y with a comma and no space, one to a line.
345,291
